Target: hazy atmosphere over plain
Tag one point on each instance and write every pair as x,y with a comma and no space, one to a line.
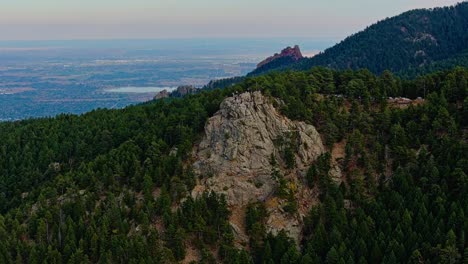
107,19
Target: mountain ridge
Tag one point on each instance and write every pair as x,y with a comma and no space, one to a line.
293,54
311,166
408,41
114,186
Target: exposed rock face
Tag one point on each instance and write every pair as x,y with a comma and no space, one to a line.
184,90
181,91
293,53
235,157
162,94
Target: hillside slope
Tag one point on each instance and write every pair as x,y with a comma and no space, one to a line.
406,42
114,186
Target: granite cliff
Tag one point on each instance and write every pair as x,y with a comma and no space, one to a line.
293,54
244,146
181,91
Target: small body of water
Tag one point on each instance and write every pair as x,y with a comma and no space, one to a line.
140,89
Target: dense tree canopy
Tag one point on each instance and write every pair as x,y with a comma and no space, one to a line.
413,42
111,186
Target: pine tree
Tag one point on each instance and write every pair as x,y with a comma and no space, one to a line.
267,256
332,256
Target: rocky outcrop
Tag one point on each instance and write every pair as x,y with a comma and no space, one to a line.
162,94
292,53
236,157
181,91
184,90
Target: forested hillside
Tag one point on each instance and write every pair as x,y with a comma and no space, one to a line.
113,186
406,44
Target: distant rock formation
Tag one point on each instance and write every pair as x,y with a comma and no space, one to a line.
292,53
236,153
162,94
184,90
181,91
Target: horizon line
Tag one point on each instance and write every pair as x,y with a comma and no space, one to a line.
177,38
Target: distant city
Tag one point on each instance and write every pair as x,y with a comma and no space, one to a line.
46,78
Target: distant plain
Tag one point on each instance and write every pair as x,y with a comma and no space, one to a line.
46,78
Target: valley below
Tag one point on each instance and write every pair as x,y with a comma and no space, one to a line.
46,78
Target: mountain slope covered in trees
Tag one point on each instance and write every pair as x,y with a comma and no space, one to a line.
113,186
406,44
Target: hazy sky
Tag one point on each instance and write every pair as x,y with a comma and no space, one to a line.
98,19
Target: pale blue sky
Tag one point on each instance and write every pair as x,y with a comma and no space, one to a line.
108,19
